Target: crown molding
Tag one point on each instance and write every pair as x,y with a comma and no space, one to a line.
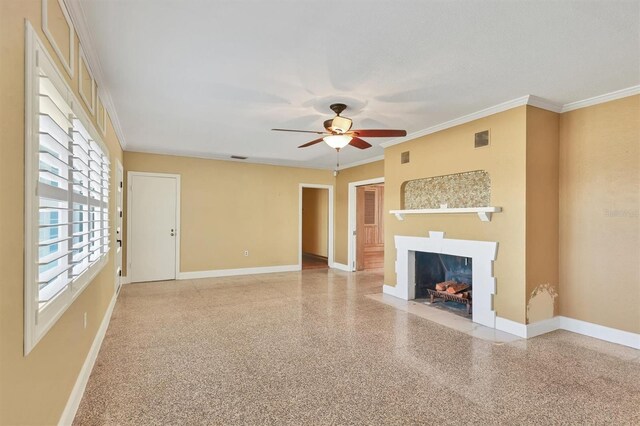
531,100
542,103
514,103
86,40
361,162
607,97
227,157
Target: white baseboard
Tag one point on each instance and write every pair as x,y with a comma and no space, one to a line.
597,331
233,272
601,332
511,327
73,402
542,327
391,290
341,266
125,280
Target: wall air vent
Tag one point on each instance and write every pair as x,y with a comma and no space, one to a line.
404,157
238,157
482,139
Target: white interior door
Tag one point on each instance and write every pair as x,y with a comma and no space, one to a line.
153,215
119,219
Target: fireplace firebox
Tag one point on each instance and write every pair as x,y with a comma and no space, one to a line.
434,268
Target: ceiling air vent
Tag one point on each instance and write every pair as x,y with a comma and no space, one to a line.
404,157
238,157
482,139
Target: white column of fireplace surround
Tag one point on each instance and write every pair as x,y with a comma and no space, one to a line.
482,253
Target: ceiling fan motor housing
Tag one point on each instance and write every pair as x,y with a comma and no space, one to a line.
338,124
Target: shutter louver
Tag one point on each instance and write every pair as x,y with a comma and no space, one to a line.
73,193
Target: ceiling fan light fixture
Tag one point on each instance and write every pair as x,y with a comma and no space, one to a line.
341,124
337,141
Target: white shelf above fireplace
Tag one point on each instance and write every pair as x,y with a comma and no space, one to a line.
484,213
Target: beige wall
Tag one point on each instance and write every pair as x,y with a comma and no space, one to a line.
35,389
315,221
599,219
542,214
452,151
352,174
227,207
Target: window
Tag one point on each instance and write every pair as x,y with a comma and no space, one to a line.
66,195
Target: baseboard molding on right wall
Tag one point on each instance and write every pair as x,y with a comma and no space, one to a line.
597,331
601,332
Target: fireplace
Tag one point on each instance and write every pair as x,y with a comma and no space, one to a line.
434,268
480,256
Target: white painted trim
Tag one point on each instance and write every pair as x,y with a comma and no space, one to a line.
69,412
103,127
341,267
77,15
543,327
235,272
68,65
130,174
511,327
361,162
484,213
90,105
543,103
331,221
514,103
38,321
119,193
351,218
607,97
482,253
125,280
596,331
601,332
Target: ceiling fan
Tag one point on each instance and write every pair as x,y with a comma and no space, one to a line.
338,133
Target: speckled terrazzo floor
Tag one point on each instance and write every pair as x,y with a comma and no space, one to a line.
309,348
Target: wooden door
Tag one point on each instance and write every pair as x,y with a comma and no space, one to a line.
369,227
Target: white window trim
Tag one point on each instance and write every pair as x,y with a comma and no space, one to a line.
37,322
91,105
68,63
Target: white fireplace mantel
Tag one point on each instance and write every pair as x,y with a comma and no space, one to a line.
484,213
482,253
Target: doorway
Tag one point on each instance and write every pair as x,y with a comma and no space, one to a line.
369,227
315,244
153,248
315,228
366,224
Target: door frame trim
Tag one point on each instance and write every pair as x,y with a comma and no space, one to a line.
131,174
330,214
119,279
351,214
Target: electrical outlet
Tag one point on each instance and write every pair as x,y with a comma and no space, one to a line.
246,253
84,320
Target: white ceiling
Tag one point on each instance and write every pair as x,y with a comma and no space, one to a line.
211,78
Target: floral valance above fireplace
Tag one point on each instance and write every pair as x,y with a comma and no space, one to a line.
468,189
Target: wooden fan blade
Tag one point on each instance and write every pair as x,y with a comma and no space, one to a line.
379,133
359,143
301,131
313,142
